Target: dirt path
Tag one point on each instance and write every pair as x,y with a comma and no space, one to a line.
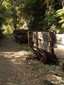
15,66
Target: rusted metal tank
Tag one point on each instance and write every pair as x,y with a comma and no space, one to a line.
20,35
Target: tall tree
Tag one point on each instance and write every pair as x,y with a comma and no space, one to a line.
36,12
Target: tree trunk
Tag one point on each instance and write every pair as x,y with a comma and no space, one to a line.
15,26
39,12
36,15
15,22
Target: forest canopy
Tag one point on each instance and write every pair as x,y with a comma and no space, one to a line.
38,14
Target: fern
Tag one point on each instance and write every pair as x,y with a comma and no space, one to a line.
60,14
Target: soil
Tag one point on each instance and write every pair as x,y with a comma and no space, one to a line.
18,66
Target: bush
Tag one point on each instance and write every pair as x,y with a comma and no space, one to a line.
1,33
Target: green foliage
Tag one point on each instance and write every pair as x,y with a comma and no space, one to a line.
7,29
60,14
33,12
14,12
27,48
30,25
27,9
38,16
52,20
2,14
58,31
2,18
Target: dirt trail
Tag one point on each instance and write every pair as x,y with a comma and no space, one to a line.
15,66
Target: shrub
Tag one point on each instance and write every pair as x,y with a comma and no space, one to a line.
1,33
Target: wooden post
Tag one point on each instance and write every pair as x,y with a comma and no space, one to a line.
51,49
28,38
36,39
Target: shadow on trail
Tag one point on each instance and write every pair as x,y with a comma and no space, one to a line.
15,67
11,65
8,44
9,72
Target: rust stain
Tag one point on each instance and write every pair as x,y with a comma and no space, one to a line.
45,2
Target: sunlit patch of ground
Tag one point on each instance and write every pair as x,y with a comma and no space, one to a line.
16,67
13,56
19,66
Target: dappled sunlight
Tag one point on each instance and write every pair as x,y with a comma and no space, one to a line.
15,54
16,57
11,84
15,65
29,40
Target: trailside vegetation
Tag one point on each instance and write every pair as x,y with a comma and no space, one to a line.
38,14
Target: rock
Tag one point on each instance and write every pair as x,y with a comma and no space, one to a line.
54,80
